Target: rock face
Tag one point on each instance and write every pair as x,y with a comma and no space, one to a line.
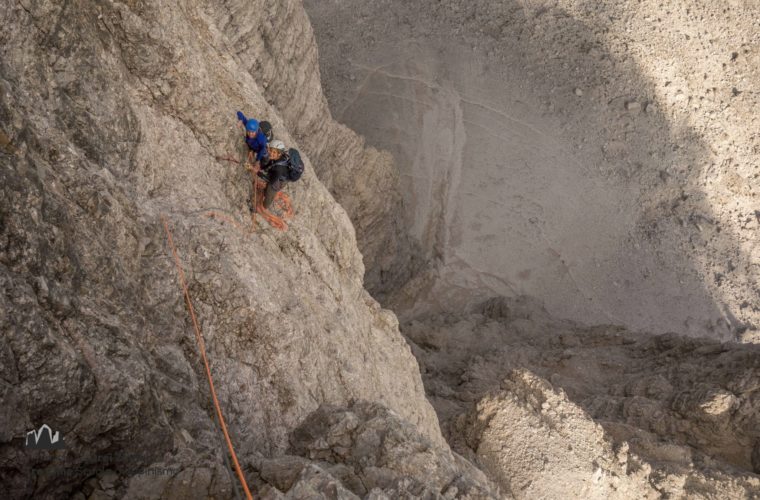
371,452
282,55
112,115
602,157
537,443
113,118
548,407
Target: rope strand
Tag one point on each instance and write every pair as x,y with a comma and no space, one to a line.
281,201
202,349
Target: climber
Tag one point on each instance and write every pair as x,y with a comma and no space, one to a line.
255,138
280,167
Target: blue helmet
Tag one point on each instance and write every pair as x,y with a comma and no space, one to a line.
252,125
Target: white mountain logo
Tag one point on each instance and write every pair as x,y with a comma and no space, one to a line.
44,439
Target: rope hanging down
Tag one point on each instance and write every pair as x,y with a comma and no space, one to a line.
202,349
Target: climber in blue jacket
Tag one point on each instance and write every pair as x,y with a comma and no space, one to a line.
254,137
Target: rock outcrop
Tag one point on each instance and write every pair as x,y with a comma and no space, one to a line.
550,407
275,43
112,115
369,451
536,443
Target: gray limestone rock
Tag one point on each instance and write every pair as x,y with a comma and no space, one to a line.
385,453
116,113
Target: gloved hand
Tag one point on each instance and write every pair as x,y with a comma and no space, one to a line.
241,117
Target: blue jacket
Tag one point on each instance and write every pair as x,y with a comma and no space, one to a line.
256,144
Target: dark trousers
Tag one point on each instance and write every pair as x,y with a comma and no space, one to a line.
271,191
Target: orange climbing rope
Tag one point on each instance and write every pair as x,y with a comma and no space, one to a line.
281,202
245,231
202,349
227,158
280,211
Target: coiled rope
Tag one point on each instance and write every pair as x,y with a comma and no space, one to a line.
281,202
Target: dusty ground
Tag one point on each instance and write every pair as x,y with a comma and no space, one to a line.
603,158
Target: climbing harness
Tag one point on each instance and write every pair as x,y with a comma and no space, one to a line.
202,349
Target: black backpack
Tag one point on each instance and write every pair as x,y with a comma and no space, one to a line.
295,167
266,129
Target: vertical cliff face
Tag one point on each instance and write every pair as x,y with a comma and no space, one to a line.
598,156
274,42
112,115
602,157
